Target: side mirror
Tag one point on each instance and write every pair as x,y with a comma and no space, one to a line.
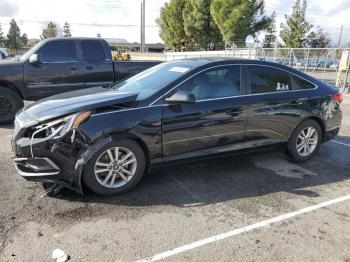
33,59
181,97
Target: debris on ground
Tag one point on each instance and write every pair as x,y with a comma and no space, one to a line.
59,255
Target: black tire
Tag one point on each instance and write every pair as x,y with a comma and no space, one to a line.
292,145
94,185
10,103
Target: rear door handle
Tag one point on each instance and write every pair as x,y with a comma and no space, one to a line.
73,68
89,68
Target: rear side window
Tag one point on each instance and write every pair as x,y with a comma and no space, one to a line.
267,79
93,51
300,84
58,51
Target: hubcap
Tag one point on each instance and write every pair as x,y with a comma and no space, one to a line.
307,141
5,107
115,167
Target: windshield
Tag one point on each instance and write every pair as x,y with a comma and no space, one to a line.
150,81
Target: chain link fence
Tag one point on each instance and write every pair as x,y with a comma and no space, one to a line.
321,63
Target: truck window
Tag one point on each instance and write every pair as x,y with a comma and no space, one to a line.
93,51
58,51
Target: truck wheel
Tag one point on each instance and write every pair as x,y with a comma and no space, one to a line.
10,103
116,168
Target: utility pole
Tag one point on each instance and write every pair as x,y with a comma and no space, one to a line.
143,45
340,35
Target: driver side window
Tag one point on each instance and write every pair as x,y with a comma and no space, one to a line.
214,83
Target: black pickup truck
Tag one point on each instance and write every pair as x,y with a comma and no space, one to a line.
59,65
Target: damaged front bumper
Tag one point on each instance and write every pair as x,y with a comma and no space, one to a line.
50,151
36,168
56,160
51,161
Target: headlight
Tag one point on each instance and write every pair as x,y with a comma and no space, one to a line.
60,127
72,121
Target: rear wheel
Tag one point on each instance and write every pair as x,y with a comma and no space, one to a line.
116,168
305,140
10,103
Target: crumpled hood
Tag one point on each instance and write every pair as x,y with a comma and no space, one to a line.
71,102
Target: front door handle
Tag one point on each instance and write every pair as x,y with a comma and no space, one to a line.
73,68
89,68
297,102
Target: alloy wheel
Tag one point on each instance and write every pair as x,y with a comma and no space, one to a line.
307,141
115,167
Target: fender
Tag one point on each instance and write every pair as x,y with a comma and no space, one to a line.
85,156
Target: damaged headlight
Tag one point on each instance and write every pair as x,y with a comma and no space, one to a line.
54,129
70,122
60,127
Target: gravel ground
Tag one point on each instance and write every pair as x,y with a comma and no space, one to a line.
180,204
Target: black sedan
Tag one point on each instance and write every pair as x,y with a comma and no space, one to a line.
106,138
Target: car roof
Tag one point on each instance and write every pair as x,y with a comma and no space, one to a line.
212,61
207,62
71,38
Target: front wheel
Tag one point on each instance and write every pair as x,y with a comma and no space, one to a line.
115,168
305,140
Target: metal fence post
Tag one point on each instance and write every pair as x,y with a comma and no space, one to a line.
324,68
307,60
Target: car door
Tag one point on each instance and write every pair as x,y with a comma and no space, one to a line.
215,122
97,64
57,70
277,102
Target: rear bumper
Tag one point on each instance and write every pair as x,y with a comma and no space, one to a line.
330,134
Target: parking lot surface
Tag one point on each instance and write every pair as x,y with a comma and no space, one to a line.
182,204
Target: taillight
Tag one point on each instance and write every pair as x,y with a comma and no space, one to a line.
338,97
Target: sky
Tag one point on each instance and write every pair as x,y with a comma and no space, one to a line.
121,18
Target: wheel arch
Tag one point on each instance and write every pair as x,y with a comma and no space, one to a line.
97,144
11,86
137,139
318,120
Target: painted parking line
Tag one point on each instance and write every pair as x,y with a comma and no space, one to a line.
239,231
340,143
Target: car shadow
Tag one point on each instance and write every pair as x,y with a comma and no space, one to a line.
7,126
223,179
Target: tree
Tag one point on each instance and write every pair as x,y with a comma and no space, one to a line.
199,24
24,39
50,31
318,39
171,25
66,30
14,39
2,38
294,32
270,36
237,18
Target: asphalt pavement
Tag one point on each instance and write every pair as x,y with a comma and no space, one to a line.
213,210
